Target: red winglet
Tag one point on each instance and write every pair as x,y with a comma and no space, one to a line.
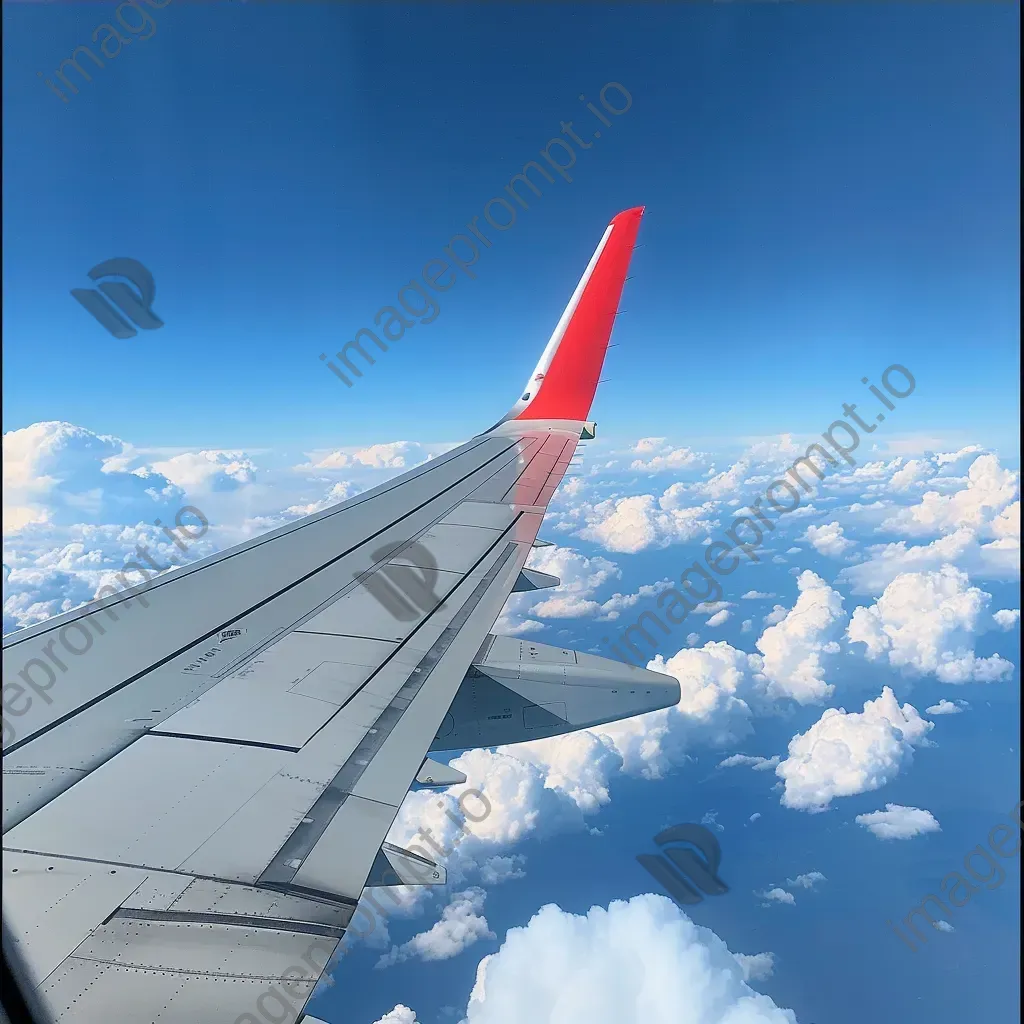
570,367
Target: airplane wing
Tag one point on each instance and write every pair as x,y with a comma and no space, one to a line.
200,772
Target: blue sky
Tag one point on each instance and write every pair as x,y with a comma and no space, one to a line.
830,189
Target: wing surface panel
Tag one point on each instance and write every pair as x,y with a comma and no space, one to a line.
204,767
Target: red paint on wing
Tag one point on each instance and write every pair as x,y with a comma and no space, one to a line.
571,380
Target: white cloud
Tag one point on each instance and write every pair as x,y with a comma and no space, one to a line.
34,594
910,474
59,473
336,494
726,484
392,455
756,595
719,618
710,819
756,966
847,753
793,647
711,607
676,458
649,444
615,605
898,822
208,470
924,623
401,1014
497,869
1007,618
641,521
946,458
580,578
634,963
1006,525
828,539
989,490
776,895
460,926
807,881
759,764
947,707
884,562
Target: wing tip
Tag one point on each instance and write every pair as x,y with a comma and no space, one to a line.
564,381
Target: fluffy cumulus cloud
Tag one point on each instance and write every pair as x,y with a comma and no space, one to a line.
947,707
401,1014
613,607
898,822
642,521
884,562
393,455
666,458
208,470
794,646
756,966
78,505
335,494
59,473
776,894
806,881
911,474
924,623
720,694
632,963
828,539
990,489
34,594
844,753
646,445
1007,618
581,577
461,925
497,869
759,764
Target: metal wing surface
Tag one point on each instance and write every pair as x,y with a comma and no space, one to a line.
200,772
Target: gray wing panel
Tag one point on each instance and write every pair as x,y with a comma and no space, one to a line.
197,808
141,663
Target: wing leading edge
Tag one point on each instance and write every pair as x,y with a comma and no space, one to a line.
194,802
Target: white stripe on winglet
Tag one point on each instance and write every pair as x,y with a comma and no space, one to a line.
556,338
